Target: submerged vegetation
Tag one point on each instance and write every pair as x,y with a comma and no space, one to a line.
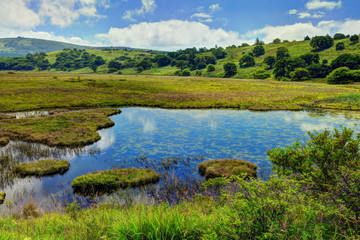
108,181
227,168
45,167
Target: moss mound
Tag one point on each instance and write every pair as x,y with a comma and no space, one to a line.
227,168
2,197
4,141
40,168
108,181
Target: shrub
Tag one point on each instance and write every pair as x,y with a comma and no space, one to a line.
328,164
210,68
300,74
340,46
261,74
230,69
282,52
112,70
108,181
318,70
42,168
339,76
185,72
227,168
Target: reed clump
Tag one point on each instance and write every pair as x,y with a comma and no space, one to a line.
227,168
103,182
40,168
4,141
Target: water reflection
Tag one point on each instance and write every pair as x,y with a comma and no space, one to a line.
172,141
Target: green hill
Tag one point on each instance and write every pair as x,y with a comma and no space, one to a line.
20,47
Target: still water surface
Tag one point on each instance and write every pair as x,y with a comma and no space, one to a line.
146,137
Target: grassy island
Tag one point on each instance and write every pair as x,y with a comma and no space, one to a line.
40,168
4,141
2,197
63,128
227,168
108,181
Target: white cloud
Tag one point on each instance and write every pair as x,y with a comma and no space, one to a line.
318,4
148,6
293,11
306,14
170,35
309,15
202,17
17,14
298,31
215,7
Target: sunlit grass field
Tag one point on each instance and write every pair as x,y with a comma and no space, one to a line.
21,91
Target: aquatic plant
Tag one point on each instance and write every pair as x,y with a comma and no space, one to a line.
42,168
227,168
108,181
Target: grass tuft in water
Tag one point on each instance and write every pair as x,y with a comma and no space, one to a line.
108,181
42,168
4,141
227,168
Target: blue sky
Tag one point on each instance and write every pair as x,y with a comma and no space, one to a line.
175,24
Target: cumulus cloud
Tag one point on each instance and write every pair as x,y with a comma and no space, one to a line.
318,4
170,35
148,6
64,12
17,14
298,31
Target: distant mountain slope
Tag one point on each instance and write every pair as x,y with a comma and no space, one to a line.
19,47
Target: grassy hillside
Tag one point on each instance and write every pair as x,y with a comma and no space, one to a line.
19,47
296,49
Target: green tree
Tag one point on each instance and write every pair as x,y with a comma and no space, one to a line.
230,69
219,53
319,43
310,58
246,61
282,52
354,39
258,50
351,61
307,38
276,41
339,36
270,61
94,67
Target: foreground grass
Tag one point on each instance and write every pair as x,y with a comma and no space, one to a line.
63,128
29,91
276,209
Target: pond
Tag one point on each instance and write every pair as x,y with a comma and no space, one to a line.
170,140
